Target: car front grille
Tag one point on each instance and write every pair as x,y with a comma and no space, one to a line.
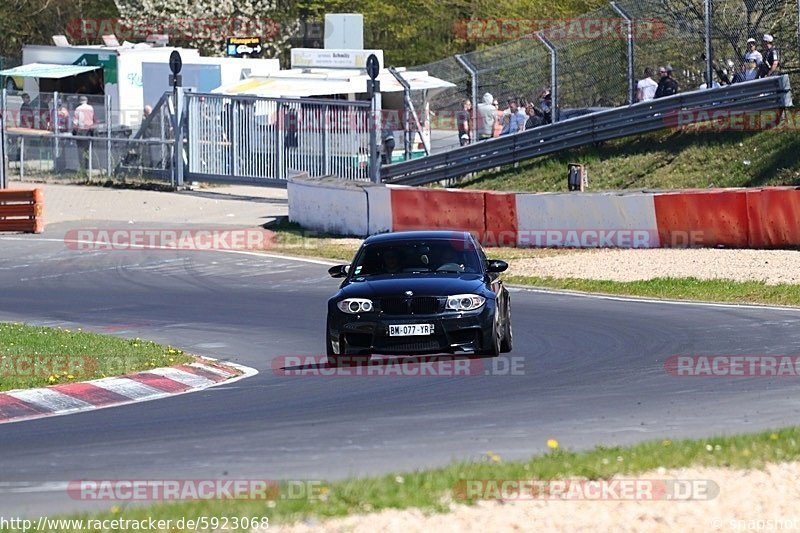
414,346
418,305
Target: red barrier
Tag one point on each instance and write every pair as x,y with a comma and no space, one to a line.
774,217
21,210
713,218
423,208
500,219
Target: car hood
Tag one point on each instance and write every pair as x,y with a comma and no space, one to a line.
425,284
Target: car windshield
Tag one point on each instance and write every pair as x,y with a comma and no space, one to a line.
393,257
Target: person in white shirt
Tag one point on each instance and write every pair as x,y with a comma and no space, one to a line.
83,118
83,125
646,87
752,53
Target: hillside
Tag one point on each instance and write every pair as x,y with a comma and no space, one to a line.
662,160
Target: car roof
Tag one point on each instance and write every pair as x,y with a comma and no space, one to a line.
418,235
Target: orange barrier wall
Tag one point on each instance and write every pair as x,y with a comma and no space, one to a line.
707,219
500,219
423,208
21,210
774,217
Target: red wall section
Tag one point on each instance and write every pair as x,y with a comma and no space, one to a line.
423,208
500,219
713,218
774,217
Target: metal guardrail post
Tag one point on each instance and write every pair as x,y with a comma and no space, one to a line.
473,73
553,74
3,164
707,13
631,75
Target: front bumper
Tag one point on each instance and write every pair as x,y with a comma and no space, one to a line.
453,332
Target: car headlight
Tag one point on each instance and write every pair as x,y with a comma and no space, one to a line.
355,305
464,302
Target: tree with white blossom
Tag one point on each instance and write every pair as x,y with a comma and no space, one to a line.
206,24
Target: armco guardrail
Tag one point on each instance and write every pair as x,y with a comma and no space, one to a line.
758,95
21,210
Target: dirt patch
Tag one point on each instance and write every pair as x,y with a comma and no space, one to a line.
770,266
745,497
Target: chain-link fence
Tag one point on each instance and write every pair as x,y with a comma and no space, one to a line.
70,136
597,59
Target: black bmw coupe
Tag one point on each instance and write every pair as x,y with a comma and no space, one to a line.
419,292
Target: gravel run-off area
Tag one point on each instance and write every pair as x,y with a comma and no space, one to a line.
770,266
747,500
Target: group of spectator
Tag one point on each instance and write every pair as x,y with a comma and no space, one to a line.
83,119
519,115
755,64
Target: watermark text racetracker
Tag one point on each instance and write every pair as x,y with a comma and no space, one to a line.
89,240
732,366
398,366
46,365
578,29
615,489
130,490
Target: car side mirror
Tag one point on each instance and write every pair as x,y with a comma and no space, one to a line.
338,271
496,265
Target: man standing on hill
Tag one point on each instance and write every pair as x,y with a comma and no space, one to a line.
646,87
515,121
667,85
486,116
770,65
752,52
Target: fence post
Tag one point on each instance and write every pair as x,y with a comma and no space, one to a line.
108,135
234,121
179,125
631,75
473,73
707,14
553,74
3,165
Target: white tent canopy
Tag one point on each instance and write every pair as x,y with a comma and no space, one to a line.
323,82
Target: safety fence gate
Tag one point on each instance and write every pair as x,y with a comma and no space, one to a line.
259,140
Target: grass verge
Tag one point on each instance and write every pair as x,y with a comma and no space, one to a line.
713,290
665,159
32,356
432,490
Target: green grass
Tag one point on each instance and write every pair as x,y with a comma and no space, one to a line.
432,490
666,159
676,289
33,356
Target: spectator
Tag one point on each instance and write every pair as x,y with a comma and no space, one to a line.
535,117
464,119
750,69
83,125
667,85
753,53
514,122
486,117
646,87
26,112
714,84
546,105
770,65
387,139
62,119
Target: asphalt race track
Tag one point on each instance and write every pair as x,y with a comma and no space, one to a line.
592,373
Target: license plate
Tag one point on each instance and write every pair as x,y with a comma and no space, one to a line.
407,330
